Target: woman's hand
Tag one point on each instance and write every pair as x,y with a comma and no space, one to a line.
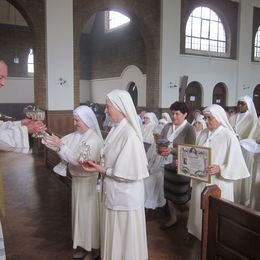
164,151
52,141
213,169
95,167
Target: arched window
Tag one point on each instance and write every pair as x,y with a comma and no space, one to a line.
30,63
257,45
115,20
205,33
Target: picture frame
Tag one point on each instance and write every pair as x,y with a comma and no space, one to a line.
193,162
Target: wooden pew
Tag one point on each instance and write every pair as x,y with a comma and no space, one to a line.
229,230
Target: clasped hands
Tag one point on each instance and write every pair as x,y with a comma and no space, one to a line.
164,150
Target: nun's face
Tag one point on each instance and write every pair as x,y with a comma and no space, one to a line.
198,126
146,120
211,122
242,106
81,127
113,114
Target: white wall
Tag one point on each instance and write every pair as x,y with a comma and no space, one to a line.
17,90
240,76
248,72
170,39
60,61
96,89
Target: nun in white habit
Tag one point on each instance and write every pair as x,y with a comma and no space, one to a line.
85,198
245,121
167,117
150,123
245,126
227,161
153,185
124,227
199,125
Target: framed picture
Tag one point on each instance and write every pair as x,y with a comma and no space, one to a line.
193,162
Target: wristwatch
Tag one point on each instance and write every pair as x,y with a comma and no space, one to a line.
109,172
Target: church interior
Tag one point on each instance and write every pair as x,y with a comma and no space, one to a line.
64,53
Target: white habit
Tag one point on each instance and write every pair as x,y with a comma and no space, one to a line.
85,198
243,124
124,228
153,185
227,154
147,129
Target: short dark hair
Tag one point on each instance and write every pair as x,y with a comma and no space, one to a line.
179,106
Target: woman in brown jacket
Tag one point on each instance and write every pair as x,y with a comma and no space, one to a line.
176,187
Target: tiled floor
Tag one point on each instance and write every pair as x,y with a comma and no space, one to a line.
37,222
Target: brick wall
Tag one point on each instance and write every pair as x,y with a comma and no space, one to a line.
110,53
145,15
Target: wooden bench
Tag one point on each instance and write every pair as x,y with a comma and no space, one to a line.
229,231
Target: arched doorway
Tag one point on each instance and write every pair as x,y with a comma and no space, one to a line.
193,95
149,30
219,95
105,56
133,91
256,99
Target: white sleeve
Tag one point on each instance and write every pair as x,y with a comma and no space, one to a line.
67,155
109,173
14,138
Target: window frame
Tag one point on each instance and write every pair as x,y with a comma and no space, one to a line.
257,46
228,17
256,26
201,38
